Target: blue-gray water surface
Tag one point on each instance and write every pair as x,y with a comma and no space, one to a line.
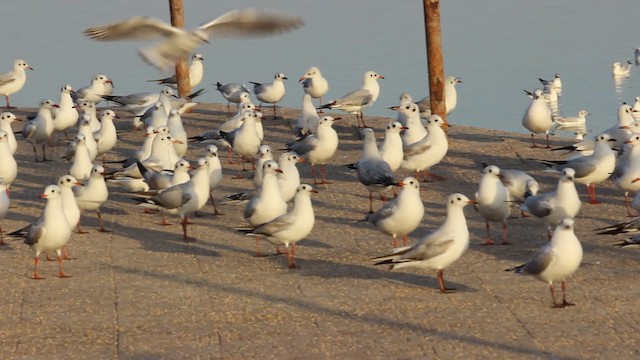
498,48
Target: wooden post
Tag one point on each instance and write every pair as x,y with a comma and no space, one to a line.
435,63
182,68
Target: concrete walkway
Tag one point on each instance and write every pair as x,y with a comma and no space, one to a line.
140,292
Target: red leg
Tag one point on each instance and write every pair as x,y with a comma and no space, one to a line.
443,288
102,229
61,273
6,97
79,230
230,155
36,276
489,241
313,174
627,204
548,146
504,234
564,298
405,240
553,296
395,242
258,247
323,171
292,262
185,222
65,254
593,200
533,142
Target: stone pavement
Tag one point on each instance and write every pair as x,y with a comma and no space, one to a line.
139,292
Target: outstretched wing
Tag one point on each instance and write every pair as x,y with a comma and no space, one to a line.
250,22
137,27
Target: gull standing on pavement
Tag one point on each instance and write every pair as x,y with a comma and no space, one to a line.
50,232
66,116
314,84
5,203
402,215
590,170
233,93
139,103
554,206
291,227
39,129
318,148
100,85
8,164
177,131
92,195
519,183
537,117
215,173
6,118
245,140
107,137
307,122
391,149
626,175
270,93
492,201
289,178
177,43
373,172
82,163
556,260
355,101
439,249
89,108
13,81
196,73
416,130
450,98
84,128
422,155
405,99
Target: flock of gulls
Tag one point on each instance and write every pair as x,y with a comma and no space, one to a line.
279,208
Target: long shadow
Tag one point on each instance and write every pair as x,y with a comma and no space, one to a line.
321,309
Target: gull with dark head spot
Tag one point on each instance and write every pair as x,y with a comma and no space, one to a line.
357,100
13,81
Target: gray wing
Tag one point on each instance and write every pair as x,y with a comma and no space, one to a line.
375,172
137,27
250,22
138,99
306,145
7,77
424,104
173,197
386,211
275,226
418,147
35,232
259,88
583,166
431,247
539,262
539,205
358,97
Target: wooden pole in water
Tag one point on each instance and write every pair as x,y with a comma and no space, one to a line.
182,68
435,63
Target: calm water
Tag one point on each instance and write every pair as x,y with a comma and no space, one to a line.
498,48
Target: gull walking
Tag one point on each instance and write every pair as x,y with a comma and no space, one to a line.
555,261
13,81
439,249
355,101
537,117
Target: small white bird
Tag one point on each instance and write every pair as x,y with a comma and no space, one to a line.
50,232
318,148
6,119
13,81
556,83
82,162
233,93
519,183
555,261
619,70
159,115
93,195
215,173
439,249
89,109
537,117
66,116
450,98
8,164
416,130
554,206
39,129
5,203
84,128
107,137
177,43
291,227
100,85
196,73
373,172
139,103
391,148
307,122
355,101
245,140
424,154
626,175
66,183
160,180
177,132
314,84
289,178
270,93
567,121
492,200
402,215
405,99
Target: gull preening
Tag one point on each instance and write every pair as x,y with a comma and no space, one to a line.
13,81
177,43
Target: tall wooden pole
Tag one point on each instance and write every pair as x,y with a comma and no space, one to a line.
435,63
182,68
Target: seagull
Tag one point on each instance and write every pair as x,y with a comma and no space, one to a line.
493,201
215,172
196,73
270,93
319,147
177,43
289,178
8,164
402,215
5,203
267,204
590,170
39,129
411,115
159,116
13,81
621,70
556,83
49,232
289,228
245,140
554,206
6,118
373,172
107,137
631,226
84,128
439,249
89,108
359,99
537,117
307,122
579,120
233,93
450,98
66,183
139,103
163,156
92,195
160,180
66,116
556,260
82,163
405,99
184,199
519,183
314,84
423,154
177,131
391,149
626,175
100,85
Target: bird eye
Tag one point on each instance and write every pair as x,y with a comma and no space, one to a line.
459,199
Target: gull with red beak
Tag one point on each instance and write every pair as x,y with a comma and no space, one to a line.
314,84
357,100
